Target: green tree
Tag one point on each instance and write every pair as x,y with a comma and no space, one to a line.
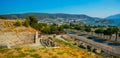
119,34
116,30
27,23
109,32
77,27
32,21
99,31
66,26
88,29
47,30
2,17
60,28
18,23
54,29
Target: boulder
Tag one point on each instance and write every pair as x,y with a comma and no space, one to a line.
83,45
97,50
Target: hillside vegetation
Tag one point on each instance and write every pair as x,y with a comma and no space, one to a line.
9,26
20,32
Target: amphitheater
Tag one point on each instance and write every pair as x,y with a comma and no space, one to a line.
8,39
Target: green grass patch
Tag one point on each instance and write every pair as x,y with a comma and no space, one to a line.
83,57
4,50
60,53
70,53
54,56
36,56
31,50
46,51
22,54
17,49
50,53
63,43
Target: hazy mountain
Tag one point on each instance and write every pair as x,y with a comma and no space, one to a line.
114,17
46,15
105,21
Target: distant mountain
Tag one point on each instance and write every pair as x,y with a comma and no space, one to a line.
114,17
111,20
46,15
105,21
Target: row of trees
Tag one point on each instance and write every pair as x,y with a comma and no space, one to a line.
102,31
108,31
2,17
77,27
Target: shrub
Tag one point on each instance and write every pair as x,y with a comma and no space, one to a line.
18,23
36,56
4,50
83,57
2,17
46,51
50,54
17,49
60,53
32,50
54,56
22,54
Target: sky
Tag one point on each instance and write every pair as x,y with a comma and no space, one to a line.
94,8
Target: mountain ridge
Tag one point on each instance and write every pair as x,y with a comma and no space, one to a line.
116,16
47,15
67,17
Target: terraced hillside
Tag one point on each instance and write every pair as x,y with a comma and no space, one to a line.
18,42
9,39
11,35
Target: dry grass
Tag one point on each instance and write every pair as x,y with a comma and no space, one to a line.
45,53
8,26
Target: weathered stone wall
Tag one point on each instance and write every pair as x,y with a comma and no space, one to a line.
14,39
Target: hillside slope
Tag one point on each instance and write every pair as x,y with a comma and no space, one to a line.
11,35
